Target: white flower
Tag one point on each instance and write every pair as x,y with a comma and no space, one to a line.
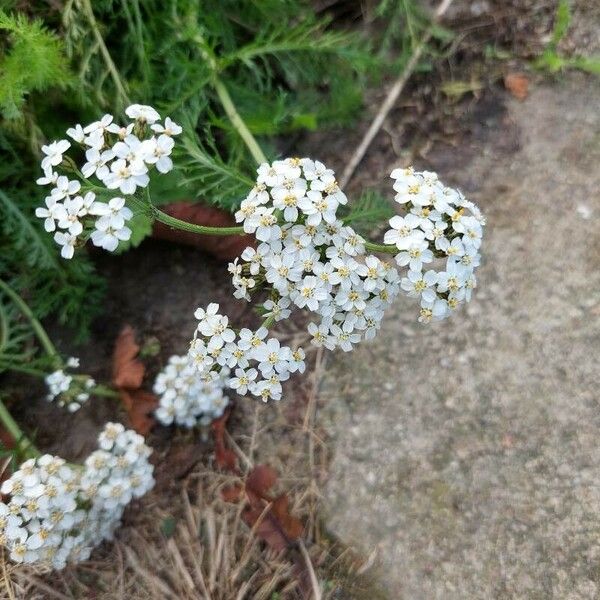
329,186
282,270
67,241
108,237
58,513
96,163
320,335
286,199
53,212
403,233
419,284
318,208
143,113
252,339
65,187
99,127
344,339
296,361
416,254
74,209
309,292
278,310
49,177
157,152
127,176
54,152
316,170
271,356
114,214
170,128
76,133
187,397
241,381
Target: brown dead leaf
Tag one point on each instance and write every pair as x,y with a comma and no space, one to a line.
292,526
517,84
224,456
269,517
128,370
225,247
260,480
127,377
139,405
232,493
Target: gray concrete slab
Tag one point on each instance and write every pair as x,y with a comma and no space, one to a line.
468,452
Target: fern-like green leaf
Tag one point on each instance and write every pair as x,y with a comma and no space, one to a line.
369,210
34,62
212,179
32,241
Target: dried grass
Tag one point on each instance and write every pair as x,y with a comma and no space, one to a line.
211,554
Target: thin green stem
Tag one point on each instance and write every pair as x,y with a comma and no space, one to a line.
227,102
268,322
163,217
384,248
97,390
114,73
238,122
104,391
21,369
35,324
17,433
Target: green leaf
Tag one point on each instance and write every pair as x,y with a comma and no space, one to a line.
212,179
369,210
35,243
168,526
34,62
561,23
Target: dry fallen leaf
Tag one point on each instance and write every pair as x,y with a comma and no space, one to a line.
224,457
268,517
225,247
127,377
128,370
517,84
139,405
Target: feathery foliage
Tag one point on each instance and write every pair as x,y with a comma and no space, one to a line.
32,60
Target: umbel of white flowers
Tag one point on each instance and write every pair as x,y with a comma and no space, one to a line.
57,513
71,391
312,261
117,158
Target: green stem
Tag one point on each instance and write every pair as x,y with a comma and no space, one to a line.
268,322
16,433
97,390
22,369
163,217
238,122
384,248
35,324
104,391
87,6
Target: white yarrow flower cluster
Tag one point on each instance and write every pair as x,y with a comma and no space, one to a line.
119,158
438,223
71,391
309,257
56,513
247,361
186,397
